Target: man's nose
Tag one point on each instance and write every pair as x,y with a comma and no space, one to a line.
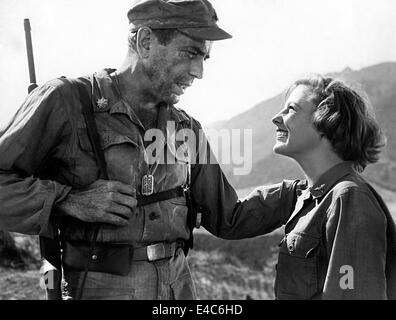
197,68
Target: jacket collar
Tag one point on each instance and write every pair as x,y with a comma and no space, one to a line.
330,178
322,186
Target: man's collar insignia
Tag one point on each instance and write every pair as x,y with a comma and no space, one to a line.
102,103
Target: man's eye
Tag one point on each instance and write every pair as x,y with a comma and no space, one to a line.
190,54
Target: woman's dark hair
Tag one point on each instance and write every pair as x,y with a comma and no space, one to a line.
342,115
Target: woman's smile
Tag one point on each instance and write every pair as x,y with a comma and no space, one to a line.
282,135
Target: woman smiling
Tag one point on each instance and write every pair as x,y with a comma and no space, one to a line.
337,240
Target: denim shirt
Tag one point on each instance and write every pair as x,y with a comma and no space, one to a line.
335,243
45,152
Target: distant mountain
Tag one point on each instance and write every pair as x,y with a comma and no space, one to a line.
217,124
378,81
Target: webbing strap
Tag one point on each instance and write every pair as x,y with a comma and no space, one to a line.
93,135
161,196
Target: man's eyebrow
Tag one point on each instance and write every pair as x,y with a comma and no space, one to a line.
200,51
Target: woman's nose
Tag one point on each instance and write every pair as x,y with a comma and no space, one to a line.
277,119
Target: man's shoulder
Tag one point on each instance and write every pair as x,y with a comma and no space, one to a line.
63,85
67,83
58,95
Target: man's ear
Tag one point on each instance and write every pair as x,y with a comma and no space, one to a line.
143,41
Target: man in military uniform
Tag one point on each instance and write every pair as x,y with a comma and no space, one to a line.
50,181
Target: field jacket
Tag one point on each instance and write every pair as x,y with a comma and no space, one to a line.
339,243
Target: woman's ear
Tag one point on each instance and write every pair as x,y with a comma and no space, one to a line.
143,42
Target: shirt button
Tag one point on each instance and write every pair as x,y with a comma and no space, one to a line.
94,257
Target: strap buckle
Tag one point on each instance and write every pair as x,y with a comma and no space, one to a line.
156,252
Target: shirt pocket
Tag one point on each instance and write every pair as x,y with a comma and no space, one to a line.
107,139
297,269
120,152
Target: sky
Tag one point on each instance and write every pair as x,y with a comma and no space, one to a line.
274,42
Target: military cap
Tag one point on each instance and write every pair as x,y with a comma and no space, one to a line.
196,18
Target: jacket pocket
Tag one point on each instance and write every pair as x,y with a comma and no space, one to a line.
297,270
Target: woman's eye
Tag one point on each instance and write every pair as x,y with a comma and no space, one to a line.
292,108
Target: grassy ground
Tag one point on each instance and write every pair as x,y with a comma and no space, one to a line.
234,269
20,285
214,276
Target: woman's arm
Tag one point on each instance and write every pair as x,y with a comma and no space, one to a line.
264,210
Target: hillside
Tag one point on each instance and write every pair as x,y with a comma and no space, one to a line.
378,81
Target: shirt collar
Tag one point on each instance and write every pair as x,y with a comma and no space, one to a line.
104,91
178,115
330,178
108,100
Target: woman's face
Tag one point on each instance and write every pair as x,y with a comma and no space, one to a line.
296,135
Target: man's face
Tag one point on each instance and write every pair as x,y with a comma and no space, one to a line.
173,67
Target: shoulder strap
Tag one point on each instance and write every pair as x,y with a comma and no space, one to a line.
87,103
